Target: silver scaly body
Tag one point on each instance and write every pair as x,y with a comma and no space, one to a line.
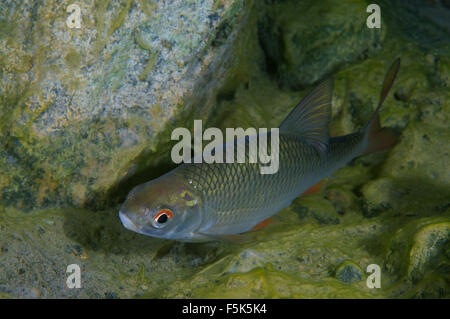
235,197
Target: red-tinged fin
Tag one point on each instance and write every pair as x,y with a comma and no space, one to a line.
264,223
378,138
315,188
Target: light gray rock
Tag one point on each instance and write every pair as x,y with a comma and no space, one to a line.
83,109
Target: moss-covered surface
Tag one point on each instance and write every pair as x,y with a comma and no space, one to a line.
293,258
82,108
391,208
303,49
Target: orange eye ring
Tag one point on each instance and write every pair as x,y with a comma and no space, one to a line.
161,218
168,212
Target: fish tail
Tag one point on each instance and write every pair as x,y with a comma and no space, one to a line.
376,137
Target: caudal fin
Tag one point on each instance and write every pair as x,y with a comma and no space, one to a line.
378,138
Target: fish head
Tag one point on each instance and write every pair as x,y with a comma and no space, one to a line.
164,207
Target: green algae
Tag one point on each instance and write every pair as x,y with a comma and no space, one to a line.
100,24
348,272
408,255
303,53
427,247
147,6
269,283
141,42
73,58
290,259
118,19
149,65
76,141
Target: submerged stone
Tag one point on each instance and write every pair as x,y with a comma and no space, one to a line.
420,249
429,249
378,195
308,40
317,208
349,272
83,109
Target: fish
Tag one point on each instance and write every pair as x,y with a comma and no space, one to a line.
198,202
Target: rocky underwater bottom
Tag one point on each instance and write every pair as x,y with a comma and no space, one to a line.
319,247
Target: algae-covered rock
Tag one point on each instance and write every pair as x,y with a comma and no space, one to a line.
378,195
434,16
84,108
430,247
420,248
263,283
343,200
317,208
422,153
246,261
307,40
349,272
288,260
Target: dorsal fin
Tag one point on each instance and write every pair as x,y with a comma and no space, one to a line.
312,116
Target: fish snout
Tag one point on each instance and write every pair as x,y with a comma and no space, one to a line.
127,222
133,225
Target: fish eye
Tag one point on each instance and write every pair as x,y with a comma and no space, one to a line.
161,218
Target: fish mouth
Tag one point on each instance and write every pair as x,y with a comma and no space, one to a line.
128,223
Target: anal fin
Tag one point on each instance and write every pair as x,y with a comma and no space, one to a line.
315,188
264,223
231,238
